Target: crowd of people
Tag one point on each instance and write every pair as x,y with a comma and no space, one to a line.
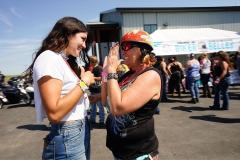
131,89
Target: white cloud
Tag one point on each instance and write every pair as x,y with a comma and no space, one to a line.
15,13
5,20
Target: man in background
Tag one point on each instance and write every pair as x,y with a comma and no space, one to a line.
96,89
2,78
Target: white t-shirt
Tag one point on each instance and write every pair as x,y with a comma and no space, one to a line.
52,64
206,66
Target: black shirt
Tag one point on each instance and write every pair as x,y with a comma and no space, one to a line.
2,78
96,87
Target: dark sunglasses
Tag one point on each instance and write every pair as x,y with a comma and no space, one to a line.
128,46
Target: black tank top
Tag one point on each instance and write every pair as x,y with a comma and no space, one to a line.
218,71
132,135
174,67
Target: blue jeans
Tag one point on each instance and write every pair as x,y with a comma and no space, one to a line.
68,141
192,83
222,88
93,111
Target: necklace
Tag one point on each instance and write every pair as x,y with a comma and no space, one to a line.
64,55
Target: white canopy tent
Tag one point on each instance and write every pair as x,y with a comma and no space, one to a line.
197,40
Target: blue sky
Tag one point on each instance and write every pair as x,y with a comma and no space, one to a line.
25,23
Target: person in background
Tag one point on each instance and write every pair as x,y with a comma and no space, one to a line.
181,75
192,69
2,78
162,66
222,81
238,62
175,78
205,69
122,69
60,89
96,89
133,99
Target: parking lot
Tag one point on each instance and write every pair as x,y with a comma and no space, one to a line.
185,131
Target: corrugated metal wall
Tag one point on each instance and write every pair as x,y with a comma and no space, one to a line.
217,20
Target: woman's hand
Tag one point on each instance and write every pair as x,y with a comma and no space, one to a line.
112,60
87,77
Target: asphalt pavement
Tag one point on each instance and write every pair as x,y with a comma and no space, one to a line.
185,131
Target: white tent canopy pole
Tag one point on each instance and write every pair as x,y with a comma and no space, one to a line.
197,40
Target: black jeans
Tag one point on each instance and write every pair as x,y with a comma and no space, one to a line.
205,79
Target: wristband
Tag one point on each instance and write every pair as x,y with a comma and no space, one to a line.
83,86
104,74
112,76
218,79
104,78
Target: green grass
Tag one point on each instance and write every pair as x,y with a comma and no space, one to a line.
9,76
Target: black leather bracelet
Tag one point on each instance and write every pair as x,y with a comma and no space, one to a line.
112,76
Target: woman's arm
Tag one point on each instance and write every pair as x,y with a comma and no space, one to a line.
57,107
135,96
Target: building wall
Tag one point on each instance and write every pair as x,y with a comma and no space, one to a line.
112,16
217,20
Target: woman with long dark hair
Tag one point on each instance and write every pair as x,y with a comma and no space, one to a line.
222,81
59,90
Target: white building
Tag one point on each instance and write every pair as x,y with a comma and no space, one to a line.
116,22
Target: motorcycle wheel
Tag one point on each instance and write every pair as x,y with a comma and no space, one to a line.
1,104
27,100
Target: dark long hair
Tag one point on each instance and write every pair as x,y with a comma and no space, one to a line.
57,40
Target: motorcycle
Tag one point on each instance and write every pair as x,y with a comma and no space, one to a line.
29,97
12,93
3,99
27,91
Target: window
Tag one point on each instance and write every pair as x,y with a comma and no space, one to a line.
150,28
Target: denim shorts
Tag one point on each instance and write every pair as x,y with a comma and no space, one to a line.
68,141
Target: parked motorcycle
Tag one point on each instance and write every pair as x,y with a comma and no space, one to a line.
12,93
27,91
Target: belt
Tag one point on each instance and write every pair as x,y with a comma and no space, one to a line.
148,156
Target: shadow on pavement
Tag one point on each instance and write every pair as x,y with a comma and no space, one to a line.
213,118
190,109
34,127
17,105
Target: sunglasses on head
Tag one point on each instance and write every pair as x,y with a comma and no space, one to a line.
128,46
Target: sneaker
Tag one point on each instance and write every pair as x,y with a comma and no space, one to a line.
91,122
193,100
157,112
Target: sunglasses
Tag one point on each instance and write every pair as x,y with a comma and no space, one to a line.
128,46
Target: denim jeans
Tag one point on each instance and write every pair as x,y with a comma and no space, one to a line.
222,88
192,83
93,111
68,141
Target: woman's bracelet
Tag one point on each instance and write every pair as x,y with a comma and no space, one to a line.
83,86
104,78
217,79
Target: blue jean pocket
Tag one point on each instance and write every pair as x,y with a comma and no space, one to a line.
48,149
